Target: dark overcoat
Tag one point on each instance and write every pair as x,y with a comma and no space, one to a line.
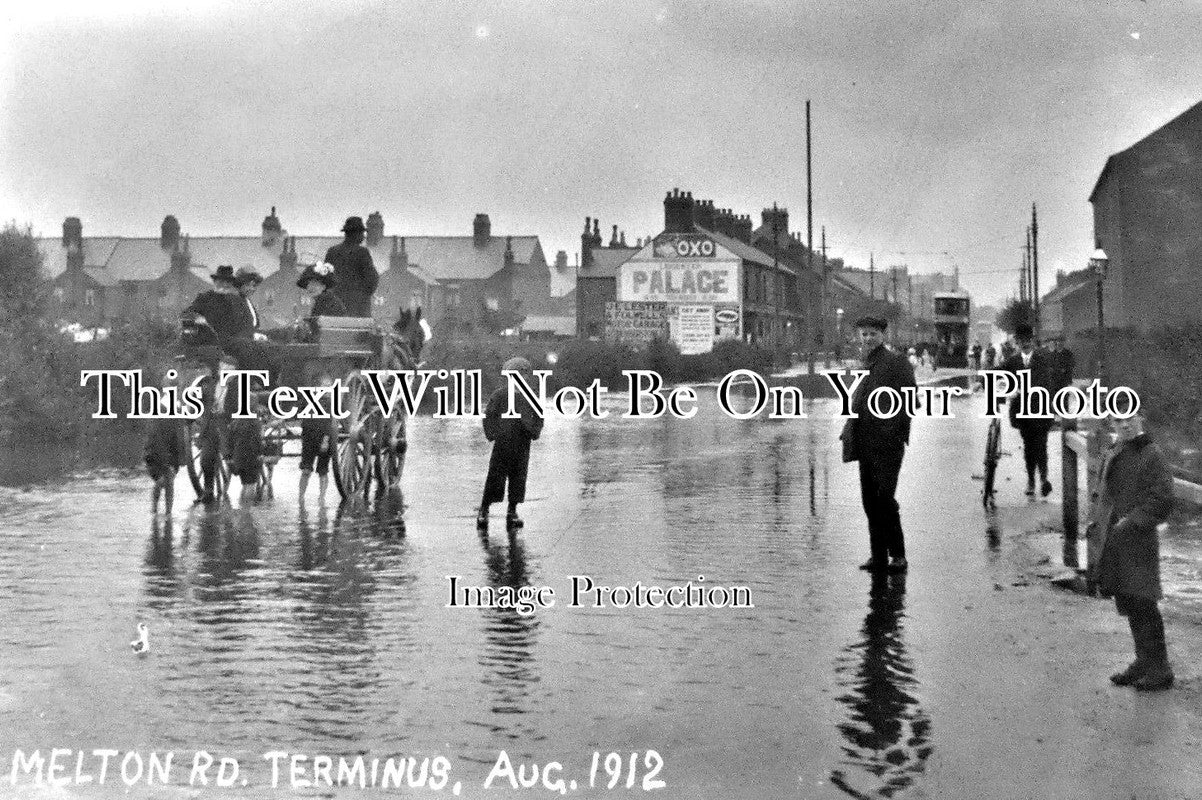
1042,375
1133,497
355,275
867,435
226,314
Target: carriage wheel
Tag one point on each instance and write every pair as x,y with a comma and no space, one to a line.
390,452
353,437
196,474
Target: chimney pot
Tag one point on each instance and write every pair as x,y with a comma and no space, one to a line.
481,230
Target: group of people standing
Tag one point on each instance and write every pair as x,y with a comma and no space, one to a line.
1135,491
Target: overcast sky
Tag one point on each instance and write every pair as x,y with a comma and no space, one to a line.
935,124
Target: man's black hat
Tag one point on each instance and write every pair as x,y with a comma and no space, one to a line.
880,323
1023,332
353,224
224,273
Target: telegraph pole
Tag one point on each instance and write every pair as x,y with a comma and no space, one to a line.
871,279
1035,268
810,239
822,315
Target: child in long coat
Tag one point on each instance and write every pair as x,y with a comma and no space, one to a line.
166,451
1135,495
246,449
511,440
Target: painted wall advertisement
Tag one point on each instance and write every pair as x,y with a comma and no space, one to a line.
693,329
684,287
635,323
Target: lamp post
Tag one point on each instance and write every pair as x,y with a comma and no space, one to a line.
839,331
1098,263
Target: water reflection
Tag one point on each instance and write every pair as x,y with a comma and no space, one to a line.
887,733
508,655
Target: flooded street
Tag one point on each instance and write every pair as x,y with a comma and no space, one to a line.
320,630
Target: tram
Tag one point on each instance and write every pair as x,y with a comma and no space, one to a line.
952,325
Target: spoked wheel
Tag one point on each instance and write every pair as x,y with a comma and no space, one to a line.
195,470
354,436
993,453
390,451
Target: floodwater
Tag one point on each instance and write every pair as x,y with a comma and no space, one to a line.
321,630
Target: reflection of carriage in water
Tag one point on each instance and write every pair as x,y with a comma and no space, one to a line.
364,444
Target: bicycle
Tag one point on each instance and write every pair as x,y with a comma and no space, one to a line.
993,454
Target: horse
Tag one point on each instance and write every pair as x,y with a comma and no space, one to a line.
402,352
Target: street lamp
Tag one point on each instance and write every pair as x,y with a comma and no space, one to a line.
839,332
1098,262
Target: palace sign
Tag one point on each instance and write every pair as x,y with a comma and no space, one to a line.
679,281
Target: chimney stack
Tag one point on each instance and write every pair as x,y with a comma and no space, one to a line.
704,214
272,230
613,240
678,212
561,261
375,228
781,217
481,230
73,233
288,254
586,244
169,233
398,258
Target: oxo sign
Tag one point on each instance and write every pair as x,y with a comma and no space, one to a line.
684,246
694,248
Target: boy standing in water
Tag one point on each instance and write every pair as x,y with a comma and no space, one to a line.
317,447
511,440
165,452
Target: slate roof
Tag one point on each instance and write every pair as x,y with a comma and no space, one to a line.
744,250
144,259
606,261
96,253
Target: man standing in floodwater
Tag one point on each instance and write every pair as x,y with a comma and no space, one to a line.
879,445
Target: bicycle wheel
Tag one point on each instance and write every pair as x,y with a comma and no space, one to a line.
992,456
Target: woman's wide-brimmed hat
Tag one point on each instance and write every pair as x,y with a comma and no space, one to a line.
224,273
317,272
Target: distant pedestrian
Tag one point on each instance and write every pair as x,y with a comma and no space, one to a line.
1134,496
879,445
511,440
976,356
354,270
1034,432
990,356
912,357
1063,364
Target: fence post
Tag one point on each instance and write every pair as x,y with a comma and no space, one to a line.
1093,447
1068,488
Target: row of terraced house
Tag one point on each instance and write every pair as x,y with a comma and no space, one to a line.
473,282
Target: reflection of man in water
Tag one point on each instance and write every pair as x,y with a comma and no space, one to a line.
887,733
508,654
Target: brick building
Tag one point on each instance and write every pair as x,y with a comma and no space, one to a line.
469,282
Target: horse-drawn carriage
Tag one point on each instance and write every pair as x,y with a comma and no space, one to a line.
364,443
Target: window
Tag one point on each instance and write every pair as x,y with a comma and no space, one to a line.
378,300
416,300
58,293
89,297
492,303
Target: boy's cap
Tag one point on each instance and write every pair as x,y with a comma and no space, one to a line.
516,364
